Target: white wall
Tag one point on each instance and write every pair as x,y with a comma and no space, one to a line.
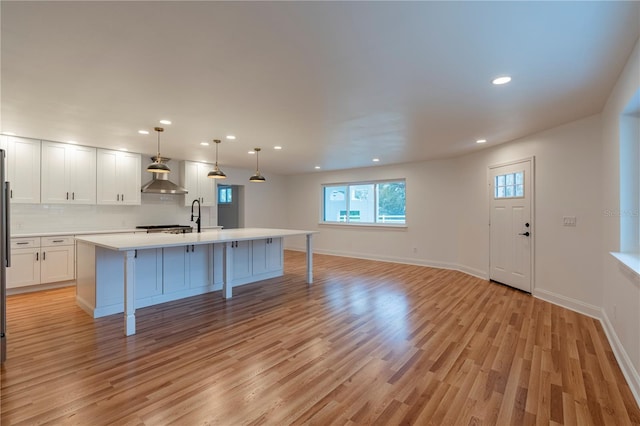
432,205
264,207
448,212
620,287
567,183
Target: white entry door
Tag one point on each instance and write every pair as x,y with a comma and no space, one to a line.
511,225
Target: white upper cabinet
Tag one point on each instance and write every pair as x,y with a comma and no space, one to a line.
119,178
200,187
68,174
23,169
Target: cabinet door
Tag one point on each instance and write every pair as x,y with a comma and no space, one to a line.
129,165
206,186
190,172
148,273
242,260
25,268
82,174
108,191
174,269
54,176
118,177
57,264
23,169
199,264
259,252
274,254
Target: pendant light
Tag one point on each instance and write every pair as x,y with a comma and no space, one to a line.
158,166
257,177
216,173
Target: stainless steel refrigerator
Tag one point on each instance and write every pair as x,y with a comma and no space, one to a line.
5,254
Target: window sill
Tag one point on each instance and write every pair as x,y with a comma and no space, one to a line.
630,260
362,225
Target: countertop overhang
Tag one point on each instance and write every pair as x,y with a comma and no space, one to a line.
126,242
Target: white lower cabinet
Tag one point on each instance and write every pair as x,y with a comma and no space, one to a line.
41,261
185,267
267,255
169,273
148,273
256,260
241,260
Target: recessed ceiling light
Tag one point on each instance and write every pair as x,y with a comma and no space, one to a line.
251,152
143,132
317,167
501,80
123,149
165,121
277,147
204,143
375,160
73,142
231,137
8,133
481,141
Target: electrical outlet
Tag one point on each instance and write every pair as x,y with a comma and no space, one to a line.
415,249
569,221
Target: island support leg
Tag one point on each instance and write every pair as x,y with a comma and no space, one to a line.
309,260
129,293
227,271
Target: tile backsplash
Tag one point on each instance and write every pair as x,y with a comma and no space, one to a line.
156,209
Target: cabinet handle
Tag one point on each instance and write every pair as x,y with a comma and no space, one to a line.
73,195
135,254
187,249
11,191
58,241
122,197
193,248
67,195
22,243
37,256
44,255
118,197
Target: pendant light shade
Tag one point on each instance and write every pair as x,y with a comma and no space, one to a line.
158,166
216,173
257,177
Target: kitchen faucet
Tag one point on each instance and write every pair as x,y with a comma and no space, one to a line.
197,220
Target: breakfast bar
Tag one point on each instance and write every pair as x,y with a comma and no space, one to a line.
111,269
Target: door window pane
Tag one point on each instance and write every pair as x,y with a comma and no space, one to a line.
509,185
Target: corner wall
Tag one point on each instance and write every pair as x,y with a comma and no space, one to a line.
619,285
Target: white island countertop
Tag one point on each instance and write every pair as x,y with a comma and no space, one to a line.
129,244
126,242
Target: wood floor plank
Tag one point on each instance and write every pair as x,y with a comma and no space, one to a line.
368,343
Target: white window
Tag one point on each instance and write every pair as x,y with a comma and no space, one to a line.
364,203
225,194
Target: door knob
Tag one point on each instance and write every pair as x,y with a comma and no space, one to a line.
526,234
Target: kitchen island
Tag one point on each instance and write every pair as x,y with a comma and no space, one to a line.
120,272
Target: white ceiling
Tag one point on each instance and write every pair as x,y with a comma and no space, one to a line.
335,84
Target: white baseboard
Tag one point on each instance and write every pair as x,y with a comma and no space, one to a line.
627,367
569,303
39,287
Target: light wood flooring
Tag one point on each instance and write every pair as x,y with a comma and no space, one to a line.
368,343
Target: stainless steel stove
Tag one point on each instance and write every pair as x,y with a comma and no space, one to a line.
167,229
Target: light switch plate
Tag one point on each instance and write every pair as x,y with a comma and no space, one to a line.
569,221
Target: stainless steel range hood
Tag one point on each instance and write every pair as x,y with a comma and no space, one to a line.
160,184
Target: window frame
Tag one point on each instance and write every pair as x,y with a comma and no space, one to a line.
348,200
